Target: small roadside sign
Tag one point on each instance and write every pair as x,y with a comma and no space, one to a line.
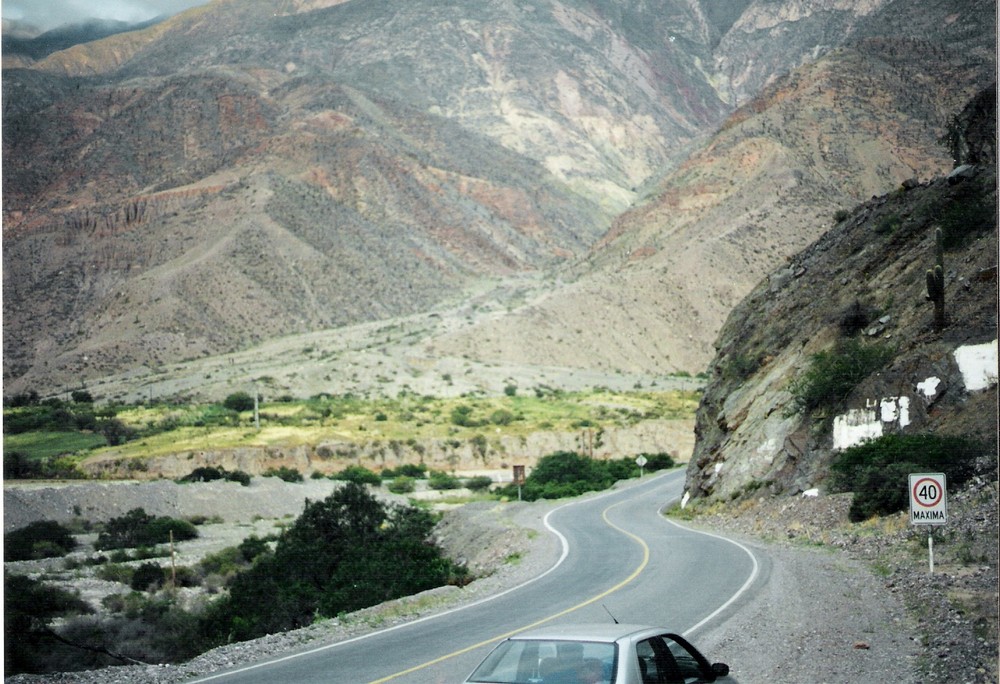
928,499
641,462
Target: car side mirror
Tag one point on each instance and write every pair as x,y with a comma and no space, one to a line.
720,669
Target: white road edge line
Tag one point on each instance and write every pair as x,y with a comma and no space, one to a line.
739,592
319,649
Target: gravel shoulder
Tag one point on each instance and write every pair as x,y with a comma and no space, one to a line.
841,602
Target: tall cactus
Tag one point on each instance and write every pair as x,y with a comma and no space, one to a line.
935,282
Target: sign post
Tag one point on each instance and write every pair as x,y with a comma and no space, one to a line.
928,505
641,462
519,479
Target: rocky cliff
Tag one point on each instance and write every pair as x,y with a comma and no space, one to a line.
863,287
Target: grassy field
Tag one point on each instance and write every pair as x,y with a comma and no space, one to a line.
162,429
39,445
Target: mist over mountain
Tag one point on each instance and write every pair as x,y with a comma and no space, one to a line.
19,44
582,185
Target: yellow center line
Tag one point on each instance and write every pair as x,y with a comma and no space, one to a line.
598,597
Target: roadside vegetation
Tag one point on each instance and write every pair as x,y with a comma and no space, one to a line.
877,471
329,561
324,564
48,438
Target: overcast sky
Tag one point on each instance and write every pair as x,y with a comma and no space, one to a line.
48,14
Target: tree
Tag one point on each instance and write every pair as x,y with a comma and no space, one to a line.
40,539
138,528
239,402
344,553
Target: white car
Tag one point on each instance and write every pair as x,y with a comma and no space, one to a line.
597,654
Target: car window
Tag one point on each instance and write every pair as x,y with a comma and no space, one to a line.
692,666
656,663
533,661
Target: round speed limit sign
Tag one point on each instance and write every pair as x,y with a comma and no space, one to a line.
928,499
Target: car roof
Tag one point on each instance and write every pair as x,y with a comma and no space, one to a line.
598,631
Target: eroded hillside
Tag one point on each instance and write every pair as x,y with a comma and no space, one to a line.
862,288
235,176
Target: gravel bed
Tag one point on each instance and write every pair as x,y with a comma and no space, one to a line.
843,603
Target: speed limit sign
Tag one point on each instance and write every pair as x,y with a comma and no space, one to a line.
928,499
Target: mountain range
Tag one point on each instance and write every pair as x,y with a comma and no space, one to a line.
361,195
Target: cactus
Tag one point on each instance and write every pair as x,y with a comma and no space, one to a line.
935,282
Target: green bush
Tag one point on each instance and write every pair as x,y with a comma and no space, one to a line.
29,608
440,480
333,559
239,402
418,471
565,473
402,484
147,577
253,547
462,415
137,528
359,475
285,473
211,473
479,483
40,539
877,471
502,417
832,375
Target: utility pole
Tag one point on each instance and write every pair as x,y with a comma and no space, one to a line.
256,408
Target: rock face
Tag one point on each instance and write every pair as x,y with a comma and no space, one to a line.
865,282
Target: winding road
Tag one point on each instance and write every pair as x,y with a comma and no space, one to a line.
619,556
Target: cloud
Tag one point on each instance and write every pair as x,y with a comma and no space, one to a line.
49,14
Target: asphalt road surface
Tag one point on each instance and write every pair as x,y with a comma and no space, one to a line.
620,557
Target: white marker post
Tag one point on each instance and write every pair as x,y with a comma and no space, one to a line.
928,505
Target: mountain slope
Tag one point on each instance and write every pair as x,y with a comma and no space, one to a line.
655,290
234,175
386,158
864,280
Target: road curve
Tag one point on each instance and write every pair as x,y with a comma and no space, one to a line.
620,557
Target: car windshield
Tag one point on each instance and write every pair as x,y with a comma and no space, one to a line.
536,661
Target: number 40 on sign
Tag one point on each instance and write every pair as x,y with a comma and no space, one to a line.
928,499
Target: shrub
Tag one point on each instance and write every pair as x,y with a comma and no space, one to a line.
359,475
832,375
285,473
239,402
659,461
877,471
203,474
211,473
414,470
479,483
29,607
40,539
332,560
402,484
137,528
238,476
440,480
563,474
462,415
252,547
502,417
148,577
